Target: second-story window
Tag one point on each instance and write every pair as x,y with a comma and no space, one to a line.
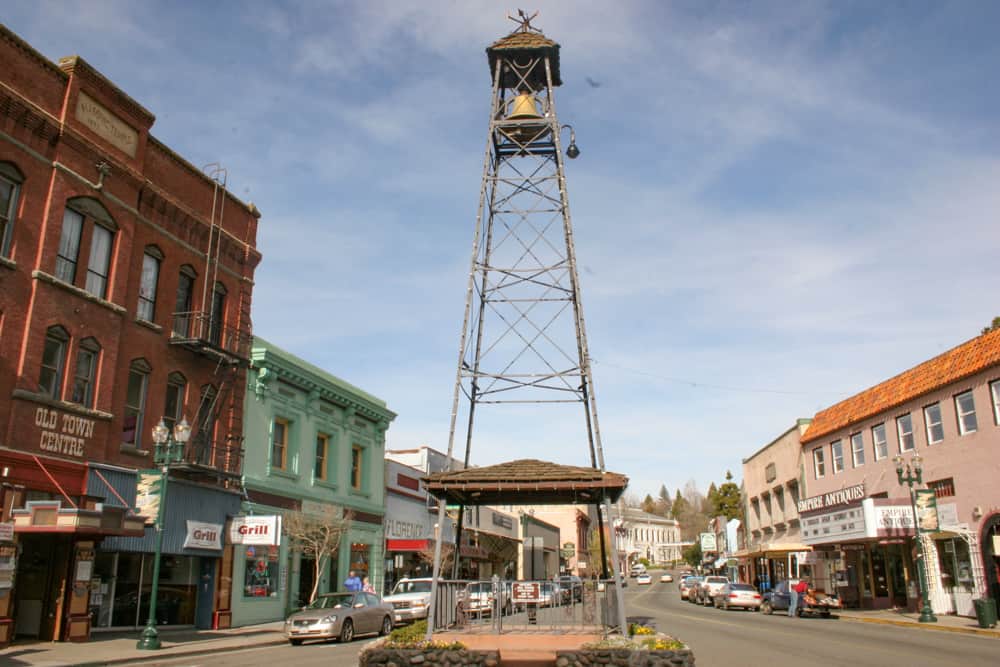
279,444
357,463
184,301
932,421
69,246
965,409
50,377
10,187
819,463
837,455
322,454
173,408
879,442
995,393
857,449
86,372
217,323
135,402
147,284
904,429
100,262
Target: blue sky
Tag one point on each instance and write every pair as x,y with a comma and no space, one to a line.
777,204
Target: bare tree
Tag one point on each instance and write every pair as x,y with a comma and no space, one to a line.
426,556
317,535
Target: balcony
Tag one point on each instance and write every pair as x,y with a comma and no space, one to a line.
218,461
199,332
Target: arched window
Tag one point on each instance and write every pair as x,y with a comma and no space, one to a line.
86,220
218,314
151,258
184,303
10,187
135,402
205,437
84,379
50,377
173,410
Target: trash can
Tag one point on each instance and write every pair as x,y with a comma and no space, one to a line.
986,612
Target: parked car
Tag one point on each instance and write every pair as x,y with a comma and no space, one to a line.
708,588
688,585
341,616
480,598
815,602
572,588
636,570
741,596
666,578
410,599
643,579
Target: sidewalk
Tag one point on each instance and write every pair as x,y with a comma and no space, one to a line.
945,622
117,648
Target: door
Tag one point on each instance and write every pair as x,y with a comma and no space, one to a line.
879,575
205,604
307,576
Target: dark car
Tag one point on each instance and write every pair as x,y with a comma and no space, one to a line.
572,588
815,602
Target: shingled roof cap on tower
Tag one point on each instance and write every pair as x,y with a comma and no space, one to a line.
960,362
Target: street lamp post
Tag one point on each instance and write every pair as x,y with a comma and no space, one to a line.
168,450
913,473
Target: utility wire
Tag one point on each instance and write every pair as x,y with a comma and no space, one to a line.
705,385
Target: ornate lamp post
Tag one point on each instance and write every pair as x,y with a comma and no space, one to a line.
168,450
913,473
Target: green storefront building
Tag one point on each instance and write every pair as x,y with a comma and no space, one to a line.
314,444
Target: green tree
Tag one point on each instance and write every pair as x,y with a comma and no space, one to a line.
679,507
727,501
994,325
708,507
663,503
648,504
692,554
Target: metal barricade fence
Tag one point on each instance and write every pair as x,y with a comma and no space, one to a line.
526,606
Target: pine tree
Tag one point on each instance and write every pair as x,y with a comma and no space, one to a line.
648,504
663,503
710,501
727,499
679,507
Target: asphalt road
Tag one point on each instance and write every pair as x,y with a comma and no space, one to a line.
719,639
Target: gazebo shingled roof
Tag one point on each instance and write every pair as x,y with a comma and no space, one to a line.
527,43
526,482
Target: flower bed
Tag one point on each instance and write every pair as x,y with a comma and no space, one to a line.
645,648
407,646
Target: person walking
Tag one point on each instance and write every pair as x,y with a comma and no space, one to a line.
366,585
352,583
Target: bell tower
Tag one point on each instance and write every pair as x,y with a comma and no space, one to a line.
523,339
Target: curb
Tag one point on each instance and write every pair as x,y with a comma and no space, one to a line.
170,654
924,626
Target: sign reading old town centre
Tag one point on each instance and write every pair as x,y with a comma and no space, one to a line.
62,432
832,499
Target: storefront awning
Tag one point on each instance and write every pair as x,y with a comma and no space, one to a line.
408,545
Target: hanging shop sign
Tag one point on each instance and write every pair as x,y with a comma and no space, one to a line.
708,542
927,515
202,535
7,532
147,494
832,499
262,530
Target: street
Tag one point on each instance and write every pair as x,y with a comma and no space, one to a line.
719,638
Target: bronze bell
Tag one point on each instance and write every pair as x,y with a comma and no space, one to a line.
524,106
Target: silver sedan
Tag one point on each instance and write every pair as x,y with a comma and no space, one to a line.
340,616
740,596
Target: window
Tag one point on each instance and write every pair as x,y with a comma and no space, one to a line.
218,314
965,408
261,574
879,442
322,453
204,439
356,466
819,464
173,409
943,488
69,246
135,402
147,284
53,362
857,450
995,393
837,455
100,261
770,473
10,186
932,421
904,428
182,305
279,444
86,371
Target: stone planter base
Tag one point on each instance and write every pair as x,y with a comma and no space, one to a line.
429,657
620,657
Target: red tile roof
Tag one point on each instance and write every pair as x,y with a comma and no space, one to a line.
960,362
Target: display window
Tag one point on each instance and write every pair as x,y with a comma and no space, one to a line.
261,572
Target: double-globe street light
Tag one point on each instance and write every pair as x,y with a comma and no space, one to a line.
167,450
913,473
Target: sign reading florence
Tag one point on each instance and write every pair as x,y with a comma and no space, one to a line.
832,499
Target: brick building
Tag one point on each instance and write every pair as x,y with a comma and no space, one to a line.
125,286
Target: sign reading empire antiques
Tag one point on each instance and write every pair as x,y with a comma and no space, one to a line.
832,499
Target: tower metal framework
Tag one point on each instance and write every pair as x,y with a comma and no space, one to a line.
523,337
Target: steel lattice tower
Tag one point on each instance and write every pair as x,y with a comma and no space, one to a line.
523,338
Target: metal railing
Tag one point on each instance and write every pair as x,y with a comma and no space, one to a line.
199,327
225,456
501,606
